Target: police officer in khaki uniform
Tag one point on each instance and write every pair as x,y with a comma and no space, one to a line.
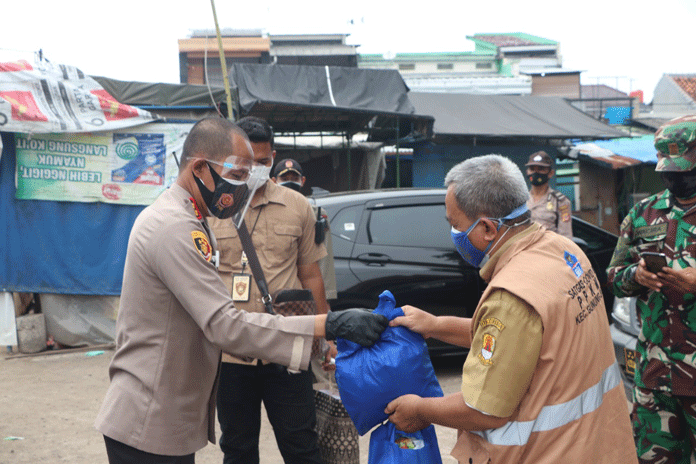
281,224
288,173
549,207
176,314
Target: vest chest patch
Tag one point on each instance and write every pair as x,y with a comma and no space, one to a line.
572,261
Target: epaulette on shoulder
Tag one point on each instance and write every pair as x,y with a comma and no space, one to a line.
559,196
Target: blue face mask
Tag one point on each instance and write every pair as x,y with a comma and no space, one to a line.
467,250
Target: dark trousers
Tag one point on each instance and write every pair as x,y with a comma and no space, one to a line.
289,402
120,453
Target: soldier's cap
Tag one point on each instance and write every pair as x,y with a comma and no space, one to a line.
285,166
675,143
540,158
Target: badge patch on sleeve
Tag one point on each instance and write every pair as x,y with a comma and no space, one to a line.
487,349
565,212
201,243
572,261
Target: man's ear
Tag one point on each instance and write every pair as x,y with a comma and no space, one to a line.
491,229
302,181
198,166
274,179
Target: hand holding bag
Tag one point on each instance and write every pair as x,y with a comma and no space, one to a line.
391,446
398,364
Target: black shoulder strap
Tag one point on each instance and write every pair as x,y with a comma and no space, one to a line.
255,266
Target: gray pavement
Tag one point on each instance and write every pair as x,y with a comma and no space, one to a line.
48,404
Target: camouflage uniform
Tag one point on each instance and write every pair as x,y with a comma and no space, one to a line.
664,414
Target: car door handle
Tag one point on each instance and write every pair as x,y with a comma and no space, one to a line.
374,258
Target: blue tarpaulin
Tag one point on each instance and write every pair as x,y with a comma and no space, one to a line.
639,148
60,247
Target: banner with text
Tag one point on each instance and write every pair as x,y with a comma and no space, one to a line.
57,98
129,166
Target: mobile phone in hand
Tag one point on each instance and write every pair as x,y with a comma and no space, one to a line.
654,261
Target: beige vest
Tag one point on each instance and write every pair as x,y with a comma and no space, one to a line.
575,410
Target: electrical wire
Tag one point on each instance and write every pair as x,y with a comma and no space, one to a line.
207,81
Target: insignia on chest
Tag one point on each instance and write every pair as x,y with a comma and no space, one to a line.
650,231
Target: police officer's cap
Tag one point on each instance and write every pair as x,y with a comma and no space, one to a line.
540,158
285,166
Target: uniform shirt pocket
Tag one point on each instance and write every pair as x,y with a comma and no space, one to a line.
283,244
652,243
230,247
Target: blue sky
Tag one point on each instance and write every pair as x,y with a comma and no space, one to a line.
624,44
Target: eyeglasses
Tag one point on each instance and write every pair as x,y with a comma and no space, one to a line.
233,167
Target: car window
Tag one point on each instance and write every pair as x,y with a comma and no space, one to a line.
411,226
345,223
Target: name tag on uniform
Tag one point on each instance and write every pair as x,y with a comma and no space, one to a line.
240,287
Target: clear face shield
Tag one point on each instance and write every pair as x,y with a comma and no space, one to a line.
235,186
258,176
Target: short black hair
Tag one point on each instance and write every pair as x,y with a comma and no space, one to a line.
257,129
209,138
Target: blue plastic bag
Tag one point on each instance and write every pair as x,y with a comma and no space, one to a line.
391,446
398,364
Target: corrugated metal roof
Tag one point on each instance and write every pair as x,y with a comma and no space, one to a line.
508,116
512,39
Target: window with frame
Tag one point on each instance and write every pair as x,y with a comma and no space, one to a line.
423,226
484,65
345,223
407,66
445,66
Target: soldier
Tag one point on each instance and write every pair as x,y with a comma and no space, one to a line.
664,406
549,207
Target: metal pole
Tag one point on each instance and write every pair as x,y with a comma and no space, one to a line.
350,170
223,64
398,170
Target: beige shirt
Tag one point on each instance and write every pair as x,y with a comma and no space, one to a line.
175,316
509,334
553,211
281,225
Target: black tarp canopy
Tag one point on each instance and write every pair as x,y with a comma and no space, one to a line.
508,116
143,94
296,99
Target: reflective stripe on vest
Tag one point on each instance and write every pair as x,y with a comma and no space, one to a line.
557,415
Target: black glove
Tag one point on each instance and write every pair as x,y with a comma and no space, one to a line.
361,326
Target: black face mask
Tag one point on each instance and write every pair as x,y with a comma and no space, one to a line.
227,198
537,178
680,184
296,186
